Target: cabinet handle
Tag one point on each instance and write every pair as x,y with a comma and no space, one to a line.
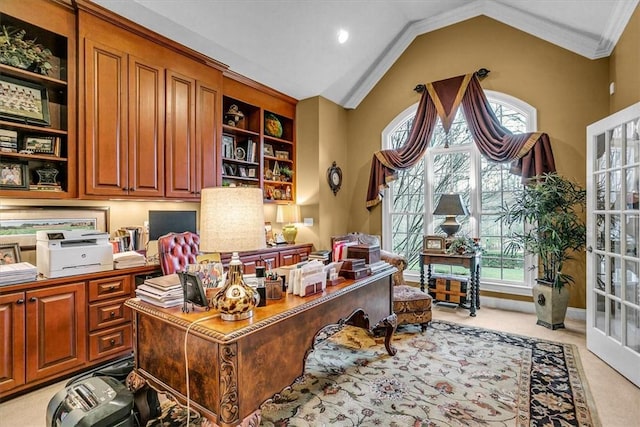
33,299
112,288
20,301
112,342
112,314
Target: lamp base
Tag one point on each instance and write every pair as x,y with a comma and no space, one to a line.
450,226
236,300
289,232
238,316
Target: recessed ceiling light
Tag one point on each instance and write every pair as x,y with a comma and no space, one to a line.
343,36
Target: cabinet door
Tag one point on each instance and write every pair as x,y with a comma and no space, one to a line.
56,330
180,148
206,136
146,129
12,314
105,135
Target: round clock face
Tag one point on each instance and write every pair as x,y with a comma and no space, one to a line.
240,153
334,177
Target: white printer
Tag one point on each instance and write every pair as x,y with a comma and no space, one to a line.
61,253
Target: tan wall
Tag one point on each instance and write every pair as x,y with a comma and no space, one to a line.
624,66
321,139
568,91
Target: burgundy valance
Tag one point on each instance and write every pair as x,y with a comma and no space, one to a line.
529,153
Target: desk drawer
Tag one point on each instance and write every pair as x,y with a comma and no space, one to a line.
110,342
108,313
112,287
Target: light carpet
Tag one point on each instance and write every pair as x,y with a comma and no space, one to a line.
450,375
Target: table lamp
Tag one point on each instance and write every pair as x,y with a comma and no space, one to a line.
232,220
450,205
289,215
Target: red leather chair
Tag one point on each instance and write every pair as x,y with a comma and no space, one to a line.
177,250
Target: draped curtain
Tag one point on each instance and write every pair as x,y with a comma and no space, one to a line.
529,153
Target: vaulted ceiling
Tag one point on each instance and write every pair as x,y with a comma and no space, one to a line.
291,45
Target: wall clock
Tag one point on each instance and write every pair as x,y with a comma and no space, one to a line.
334,177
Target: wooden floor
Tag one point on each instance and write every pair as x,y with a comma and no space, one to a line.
617,400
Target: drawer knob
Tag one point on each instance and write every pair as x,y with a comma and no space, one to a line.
112,341
20,301
112,314
33,299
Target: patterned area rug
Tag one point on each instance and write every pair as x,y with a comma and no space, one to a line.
450,375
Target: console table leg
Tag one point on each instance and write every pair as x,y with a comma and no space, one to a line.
472,298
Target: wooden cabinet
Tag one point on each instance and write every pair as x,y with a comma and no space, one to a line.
56,327
110,332
12,324
293,256
46,334
258,140
274,256
152,122
39,145
123,150
191,148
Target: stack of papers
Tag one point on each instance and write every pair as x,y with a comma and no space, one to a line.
17,273
128,259
163,291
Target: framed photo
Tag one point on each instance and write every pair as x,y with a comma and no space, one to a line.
228,144
252,172
20,223
193,290
282,155
268,150
14,175
9,253
42,144
434,244
23,101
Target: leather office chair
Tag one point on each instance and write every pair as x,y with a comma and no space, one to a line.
177,250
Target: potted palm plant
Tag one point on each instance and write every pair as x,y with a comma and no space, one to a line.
550,206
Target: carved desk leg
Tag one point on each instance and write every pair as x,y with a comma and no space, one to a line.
390,323
139,387
358,319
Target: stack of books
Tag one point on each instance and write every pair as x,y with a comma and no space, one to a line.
163,291
322,256
17,273
128,259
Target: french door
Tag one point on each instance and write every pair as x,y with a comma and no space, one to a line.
613,241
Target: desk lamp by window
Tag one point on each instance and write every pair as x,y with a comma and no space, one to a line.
232,220
450,205
289,215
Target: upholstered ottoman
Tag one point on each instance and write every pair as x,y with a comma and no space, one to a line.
411,305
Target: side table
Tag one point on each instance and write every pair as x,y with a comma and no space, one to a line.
469,261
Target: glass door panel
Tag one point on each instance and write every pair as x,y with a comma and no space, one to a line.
613,227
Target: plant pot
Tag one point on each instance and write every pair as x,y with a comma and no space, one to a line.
551,304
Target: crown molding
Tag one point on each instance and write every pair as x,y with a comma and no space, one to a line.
583,44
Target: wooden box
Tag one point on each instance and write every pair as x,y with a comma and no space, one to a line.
449,289
355,274
370,253
352,264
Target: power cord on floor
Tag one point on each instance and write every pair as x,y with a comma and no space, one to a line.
186,361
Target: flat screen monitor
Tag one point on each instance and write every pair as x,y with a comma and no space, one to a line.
163,222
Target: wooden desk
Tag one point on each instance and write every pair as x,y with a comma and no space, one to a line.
469,261
235,366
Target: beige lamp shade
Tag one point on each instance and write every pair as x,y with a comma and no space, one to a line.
287,214
231,219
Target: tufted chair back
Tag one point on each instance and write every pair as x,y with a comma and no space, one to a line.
177,250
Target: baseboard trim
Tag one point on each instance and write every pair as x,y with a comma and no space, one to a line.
527,307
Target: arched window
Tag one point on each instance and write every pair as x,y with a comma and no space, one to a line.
452,163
